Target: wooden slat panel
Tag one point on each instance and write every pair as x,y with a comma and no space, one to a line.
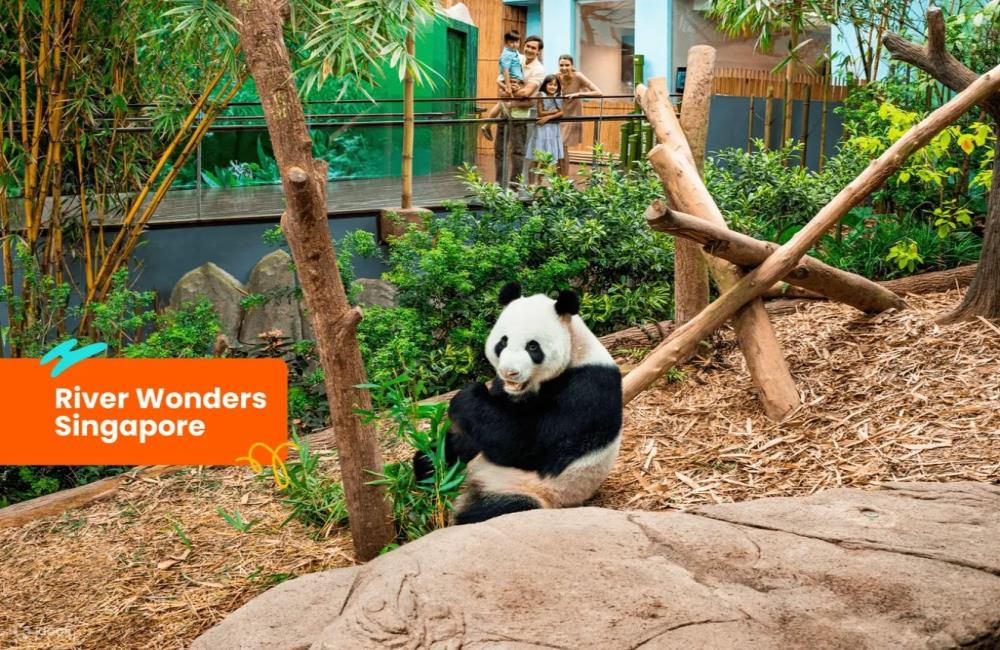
741,82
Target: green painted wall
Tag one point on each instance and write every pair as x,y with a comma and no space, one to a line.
447,47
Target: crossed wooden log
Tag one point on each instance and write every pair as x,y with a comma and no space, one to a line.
745,268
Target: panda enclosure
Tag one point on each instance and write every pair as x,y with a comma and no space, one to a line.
678,166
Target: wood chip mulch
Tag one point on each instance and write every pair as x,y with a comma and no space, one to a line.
893,397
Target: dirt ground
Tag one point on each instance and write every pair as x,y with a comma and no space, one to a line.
887,398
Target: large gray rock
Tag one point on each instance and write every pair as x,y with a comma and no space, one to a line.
220,288
910,566
377,292
272,276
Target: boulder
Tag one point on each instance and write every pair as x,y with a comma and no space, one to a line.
272,276
377,292
220,288
906,566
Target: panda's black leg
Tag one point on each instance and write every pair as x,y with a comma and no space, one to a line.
486,506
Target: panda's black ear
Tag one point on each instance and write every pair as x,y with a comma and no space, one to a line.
510,292
568,303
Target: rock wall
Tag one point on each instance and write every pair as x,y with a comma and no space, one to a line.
273,276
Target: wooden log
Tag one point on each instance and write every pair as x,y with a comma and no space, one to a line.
78,497
690,270
932,282
686,338
747,252
674,163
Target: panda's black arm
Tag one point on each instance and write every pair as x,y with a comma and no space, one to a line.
504,436
586,417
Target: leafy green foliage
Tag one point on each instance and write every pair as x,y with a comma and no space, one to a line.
235,520
39,319
763,198
592,240
315,498
418,506
185,333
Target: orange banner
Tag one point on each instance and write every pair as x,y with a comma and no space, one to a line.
140,411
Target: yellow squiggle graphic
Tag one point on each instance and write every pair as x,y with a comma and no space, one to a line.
278,468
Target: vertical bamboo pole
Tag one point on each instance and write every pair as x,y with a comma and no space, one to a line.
805,126
406,201
825,107
793,43
623,133
768,117
750,125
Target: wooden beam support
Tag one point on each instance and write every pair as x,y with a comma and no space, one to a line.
674,162
690,268
747,252
685,339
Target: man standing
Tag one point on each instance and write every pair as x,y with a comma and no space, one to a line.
512,138
574,86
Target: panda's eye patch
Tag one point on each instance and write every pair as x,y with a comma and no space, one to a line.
535,351
501,344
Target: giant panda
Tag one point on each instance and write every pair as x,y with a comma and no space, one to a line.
546,432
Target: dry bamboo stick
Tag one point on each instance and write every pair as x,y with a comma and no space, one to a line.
685,339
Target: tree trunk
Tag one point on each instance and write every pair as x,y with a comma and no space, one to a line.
684,341
983,297
305,225
690,271
747,252
406,201
673,161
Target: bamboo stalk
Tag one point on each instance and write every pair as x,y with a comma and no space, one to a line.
825,107
684,340
804,138
88,257
196,137
406,201
6,238
768,116
107,269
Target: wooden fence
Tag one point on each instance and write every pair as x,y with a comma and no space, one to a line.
741,82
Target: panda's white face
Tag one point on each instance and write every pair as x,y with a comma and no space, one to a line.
529,344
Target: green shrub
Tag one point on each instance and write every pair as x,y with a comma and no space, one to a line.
593,240
762,197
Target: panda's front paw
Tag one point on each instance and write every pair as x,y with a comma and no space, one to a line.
423,466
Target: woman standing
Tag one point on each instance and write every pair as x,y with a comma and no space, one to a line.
574,86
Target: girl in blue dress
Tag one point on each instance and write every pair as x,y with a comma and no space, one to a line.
547,136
